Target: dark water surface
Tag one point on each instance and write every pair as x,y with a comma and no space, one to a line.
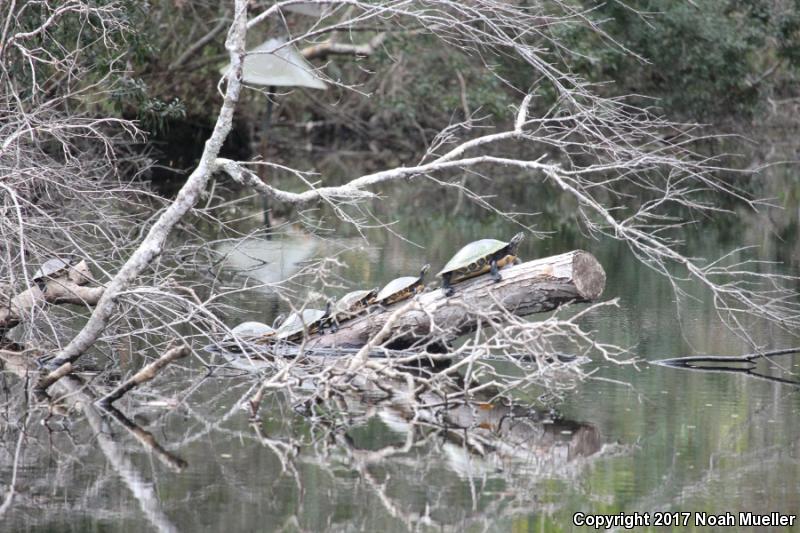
638,438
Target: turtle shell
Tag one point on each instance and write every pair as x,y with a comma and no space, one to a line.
473,254
395,290
247,332
352,302
252,329
296,323
51,268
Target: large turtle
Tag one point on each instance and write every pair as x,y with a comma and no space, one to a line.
50,269
298,323
479,257
402,288
349,306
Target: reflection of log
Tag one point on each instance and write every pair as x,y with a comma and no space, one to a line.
531,287
493,429
67,289
514,430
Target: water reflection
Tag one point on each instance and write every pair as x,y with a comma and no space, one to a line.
268,261
458,454
73,395
757,366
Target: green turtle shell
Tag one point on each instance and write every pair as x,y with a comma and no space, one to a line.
51,268
296,323
473,256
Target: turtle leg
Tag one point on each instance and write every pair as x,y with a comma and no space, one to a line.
446,286
495,272
334,326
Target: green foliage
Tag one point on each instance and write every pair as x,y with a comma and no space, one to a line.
98,45
425,87
707,58
153,113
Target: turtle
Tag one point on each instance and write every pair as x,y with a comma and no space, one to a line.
50,269
349,306
297,323
247,332
479,257
401,288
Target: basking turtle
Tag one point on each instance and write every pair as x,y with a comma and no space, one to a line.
50,269
402,288
247,332
479,257
297,323
349,306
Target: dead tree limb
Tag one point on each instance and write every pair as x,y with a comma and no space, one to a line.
67,289
152,245
330,48
532,287
146,374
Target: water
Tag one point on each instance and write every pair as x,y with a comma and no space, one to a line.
635,438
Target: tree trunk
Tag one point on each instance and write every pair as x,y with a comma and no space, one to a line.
532,287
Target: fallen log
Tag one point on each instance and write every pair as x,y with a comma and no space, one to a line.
69,288
532,287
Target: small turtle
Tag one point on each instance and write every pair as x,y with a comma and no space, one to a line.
479,257
402,288
349,306
297,323
50,269
247,332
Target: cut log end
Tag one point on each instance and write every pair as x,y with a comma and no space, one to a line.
588,275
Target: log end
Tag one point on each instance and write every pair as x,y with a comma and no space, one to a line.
588,275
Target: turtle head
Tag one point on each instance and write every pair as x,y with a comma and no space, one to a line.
424,270
515,240
278,321
328,308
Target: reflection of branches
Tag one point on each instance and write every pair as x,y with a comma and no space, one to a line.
147,440
74,393
743,364
14,466
511,437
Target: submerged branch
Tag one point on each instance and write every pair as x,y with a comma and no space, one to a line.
146,374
